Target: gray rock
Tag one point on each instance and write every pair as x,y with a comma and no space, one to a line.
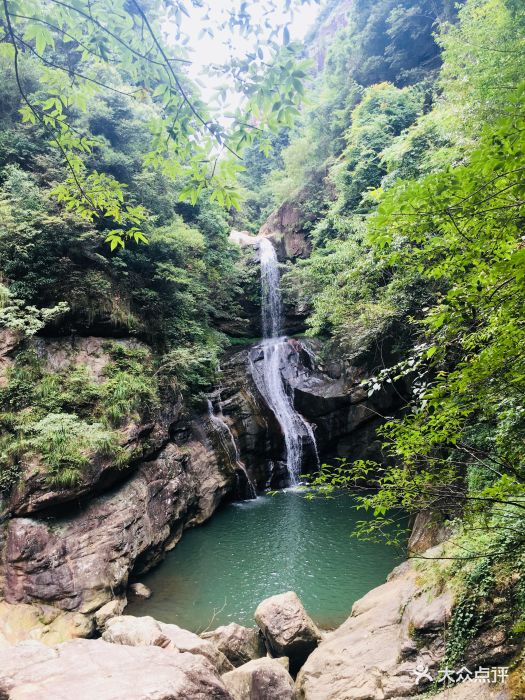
287,628
109,610
465,691
95,669
261,679
146,631
428,530
239,644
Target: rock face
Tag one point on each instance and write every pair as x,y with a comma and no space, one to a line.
239,644
287,628
146,631
262,679
33,492
373,654
393,630
83,560
427,531
96,669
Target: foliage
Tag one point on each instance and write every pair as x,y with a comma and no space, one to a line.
65,420
417,272
67,444
119,49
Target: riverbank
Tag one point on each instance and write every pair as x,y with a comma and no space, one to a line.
394,631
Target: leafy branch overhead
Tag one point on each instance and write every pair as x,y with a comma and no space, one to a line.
139,51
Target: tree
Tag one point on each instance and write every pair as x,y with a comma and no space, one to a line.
82,50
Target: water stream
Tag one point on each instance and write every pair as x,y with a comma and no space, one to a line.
298,433
229,445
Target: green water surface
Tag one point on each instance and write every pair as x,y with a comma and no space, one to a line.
222,570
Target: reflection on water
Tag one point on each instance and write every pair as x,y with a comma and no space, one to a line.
222,570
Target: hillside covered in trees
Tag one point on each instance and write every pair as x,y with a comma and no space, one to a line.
383,159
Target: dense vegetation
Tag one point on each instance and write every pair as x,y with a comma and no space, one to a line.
409,162
417,266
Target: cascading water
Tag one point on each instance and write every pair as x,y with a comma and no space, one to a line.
227,438
296,430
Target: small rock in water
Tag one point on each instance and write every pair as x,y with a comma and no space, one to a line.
287,628
139,590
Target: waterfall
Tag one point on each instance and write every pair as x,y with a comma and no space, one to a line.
227,439
275,347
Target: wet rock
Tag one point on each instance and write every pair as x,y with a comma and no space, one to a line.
97,669
239,644
146,631
260,679
82,561
139,590
287,628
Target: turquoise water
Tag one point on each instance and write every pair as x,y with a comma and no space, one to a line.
220,571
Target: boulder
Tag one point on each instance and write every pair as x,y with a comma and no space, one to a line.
373,654
146,631
287,628
465,691
109,610
92,669
239,644
139,590
41,622
260,679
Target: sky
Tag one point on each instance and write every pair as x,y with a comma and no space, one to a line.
206,49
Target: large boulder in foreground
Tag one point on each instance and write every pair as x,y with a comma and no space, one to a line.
373,654
146,631
84,668
393,630
261,679
239,644
287,628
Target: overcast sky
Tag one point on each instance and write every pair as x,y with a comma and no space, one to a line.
207,49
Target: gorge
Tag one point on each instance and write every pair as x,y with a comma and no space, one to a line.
261,350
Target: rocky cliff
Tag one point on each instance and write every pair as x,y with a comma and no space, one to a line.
77,547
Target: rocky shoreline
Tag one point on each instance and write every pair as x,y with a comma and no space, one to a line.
394,629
